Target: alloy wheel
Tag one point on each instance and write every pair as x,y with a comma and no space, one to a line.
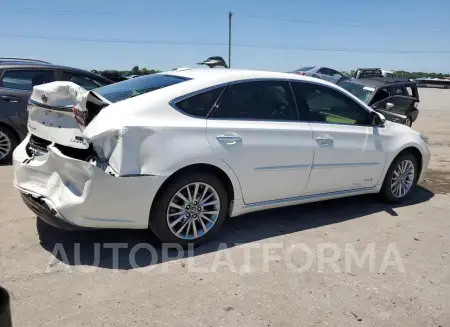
5,145
193,211
402,178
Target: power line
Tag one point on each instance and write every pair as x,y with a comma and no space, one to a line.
241,45
123,13
353,24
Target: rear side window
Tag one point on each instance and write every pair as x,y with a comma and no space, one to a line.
137,86
261,100
26,79
199,105
85,81
397,90
325,71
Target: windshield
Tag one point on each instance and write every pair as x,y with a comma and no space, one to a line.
360,91
304,69
137,86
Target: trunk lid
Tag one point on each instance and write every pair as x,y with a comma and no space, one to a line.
58,112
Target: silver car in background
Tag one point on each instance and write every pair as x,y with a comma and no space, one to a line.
325,73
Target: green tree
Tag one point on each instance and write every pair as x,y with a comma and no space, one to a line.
135,70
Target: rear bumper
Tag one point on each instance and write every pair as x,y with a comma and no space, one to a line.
75,194
50,216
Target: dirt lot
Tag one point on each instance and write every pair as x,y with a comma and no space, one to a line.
92,287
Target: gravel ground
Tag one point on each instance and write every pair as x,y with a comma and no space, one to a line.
59,278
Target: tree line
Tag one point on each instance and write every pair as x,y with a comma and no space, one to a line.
121,74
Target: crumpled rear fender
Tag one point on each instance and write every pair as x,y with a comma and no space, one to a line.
156,150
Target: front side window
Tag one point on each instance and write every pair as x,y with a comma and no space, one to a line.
259,100
362,92
319,103
85,81
199,105
380,95
137,86
26,79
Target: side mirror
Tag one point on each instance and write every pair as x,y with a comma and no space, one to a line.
378,119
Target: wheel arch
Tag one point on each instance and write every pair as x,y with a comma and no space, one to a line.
230,183
415,151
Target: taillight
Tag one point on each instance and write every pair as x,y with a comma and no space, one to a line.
80,116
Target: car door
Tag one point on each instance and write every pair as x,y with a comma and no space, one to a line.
15,90
254,128
397,105
348,149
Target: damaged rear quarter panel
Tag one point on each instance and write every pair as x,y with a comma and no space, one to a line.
152,139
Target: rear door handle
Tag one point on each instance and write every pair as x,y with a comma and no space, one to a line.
229,139
10,98
325,140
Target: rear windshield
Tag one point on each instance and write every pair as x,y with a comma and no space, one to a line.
362,92
137,86
304,69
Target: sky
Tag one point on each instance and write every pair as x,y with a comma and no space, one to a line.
278,35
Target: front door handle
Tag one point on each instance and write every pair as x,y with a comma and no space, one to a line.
10,98
325,140
229,139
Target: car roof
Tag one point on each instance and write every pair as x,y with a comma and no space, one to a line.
44,65
33,65
223,75
378,81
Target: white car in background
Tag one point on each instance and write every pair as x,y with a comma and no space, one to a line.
178,152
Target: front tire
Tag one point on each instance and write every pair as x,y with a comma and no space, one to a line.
190,209
400,179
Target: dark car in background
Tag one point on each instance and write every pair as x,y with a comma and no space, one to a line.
17,78
396,98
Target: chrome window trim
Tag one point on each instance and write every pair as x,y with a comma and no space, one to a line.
342,93
173,102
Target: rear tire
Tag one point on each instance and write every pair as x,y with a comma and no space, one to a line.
400,179
180,216
8,142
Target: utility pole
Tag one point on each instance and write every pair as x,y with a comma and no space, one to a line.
230,14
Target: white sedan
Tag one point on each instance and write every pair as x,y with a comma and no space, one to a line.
178,152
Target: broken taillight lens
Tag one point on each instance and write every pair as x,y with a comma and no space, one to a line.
80,116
